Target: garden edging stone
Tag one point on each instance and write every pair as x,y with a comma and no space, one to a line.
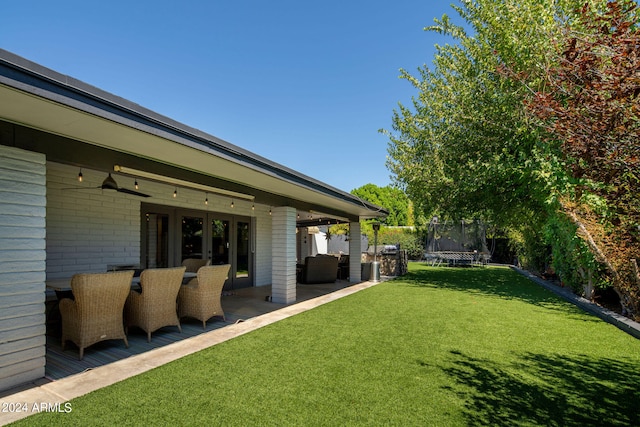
623,323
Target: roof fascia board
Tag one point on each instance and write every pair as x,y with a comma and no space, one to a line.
43,82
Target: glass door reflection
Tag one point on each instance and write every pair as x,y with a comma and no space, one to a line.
219,251
242,249
192,237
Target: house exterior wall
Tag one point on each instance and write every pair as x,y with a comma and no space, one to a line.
22,266
89,228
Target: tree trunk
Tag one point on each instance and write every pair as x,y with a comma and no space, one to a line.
600,256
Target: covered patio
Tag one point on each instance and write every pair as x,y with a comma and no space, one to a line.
92,182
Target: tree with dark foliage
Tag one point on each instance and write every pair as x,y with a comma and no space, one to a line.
590,106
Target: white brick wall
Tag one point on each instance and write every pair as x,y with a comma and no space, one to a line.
283,287
355,248
88,228
22,266
91,228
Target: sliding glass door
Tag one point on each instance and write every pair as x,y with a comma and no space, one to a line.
242,259
171,235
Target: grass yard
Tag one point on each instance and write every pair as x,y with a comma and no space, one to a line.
437,347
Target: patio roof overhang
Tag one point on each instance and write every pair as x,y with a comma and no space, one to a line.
75,123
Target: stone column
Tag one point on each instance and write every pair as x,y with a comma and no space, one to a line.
355,251
283,252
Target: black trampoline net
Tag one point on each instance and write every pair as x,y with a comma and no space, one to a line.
456,236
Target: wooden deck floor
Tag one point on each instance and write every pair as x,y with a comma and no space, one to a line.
238,305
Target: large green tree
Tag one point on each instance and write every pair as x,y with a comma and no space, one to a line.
393,199
590,107
466,147
476,140
401,215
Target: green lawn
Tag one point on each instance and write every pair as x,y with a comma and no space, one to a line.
439,346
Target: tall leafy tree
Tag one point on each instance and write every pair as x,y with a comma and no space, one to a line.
391,198
590,107
467,147
400,214
531,120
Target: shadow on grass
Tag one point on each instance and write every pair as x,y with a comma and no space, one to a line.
550,390
499,282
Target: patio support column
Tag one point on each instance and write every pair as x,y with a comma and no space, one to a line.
283,249
355,251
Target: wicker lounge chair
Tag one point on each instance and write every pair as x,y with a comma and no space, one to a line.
155,306
193,264
200,298
96,312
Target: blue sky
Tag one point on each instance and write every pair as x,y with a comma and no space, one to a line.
305,84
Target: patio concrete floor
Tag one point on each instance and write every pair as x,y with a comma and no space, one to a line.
245,309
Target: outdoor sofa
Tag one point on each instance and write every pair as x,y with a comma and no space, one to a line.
320,269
